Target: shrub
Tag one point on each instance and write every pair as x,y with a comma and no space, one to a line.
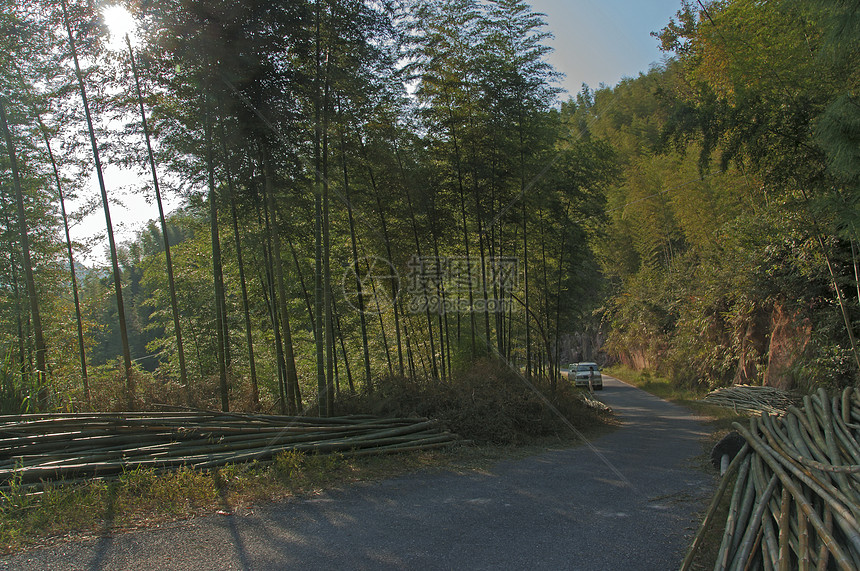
489,403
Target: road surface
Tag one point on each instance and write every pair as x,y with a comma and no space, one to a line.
627,501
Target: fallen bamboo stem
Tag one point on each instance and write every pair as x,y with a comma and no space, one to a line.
39,447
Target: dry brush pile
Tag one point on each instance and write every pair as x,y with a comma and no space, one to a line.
43,447
490,403
796,497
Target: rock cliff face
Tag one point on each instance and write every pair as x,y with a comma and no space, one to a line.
766,345
638,359
582,346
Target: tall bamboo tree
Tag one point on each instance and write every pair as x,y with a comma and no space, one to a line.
217,272
117,276
35,315
72,269
171,283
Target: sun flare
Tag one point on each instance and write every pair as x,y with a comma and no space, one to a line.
119,22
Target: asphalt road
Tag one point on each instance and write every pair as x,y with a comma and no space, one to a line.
627,501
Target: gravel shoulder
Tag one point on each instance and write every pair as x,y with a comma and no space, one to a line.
627,500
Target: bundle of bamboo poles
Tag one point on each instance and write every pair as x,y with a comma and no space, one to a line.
749,398
36,448
796,497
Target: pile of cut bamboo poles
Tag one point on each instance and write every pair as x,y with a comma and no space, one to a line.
36,448
749,398
592,403
796,497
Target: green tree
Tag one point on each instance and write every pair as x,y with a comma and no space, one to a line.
757,98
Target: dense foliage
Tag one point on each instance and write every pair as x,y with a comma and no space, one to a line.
380,190
732,241
371,189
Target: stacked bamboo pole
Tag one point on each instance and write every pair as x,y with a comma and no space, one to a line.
796,497
749,398
35,448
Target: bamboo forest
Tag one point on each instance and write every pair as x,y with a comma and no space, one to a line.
346,192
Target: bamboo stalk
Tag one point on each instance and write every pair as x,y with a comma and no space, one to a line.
770,543
784,530
788,482
753,531
823,553
803,542
41,446
745,511
723,555
842,506
715,504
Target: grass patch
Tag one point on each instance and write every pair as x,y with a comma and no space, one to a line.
487,404
144,496
651,382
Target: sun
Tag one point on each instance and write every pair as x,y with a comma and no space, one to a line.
119,22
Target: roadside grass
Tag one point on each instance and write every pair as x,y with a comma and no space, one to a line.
718,418
487,403
145,497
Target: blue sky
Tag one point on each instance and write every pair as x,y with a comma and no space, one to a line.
603,41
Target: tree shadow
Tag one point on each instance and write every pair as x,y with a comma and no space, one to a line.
227,512
105,541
